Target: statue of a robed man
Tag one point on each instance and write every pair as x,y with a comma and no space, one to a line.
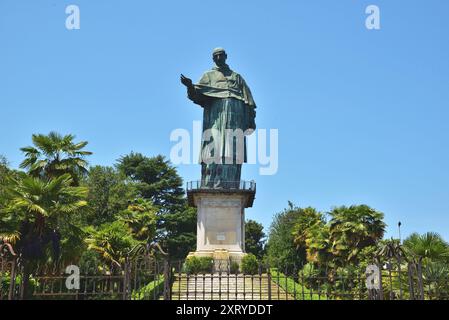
229,115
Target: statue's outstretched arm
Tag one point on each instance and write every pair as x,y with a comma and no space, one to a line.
192,93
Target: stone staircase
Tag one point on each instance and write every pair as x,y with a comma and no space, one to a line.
227,287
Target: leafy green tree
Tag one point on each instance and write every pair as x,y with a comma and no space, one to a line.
4,170
353,228
54,155
179,235
281,249
109,193
4,174
429,246
254,238
158,181
155,178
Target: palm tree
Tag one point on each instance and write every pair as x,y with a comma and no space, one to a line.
54,155
429,246
9,232
353,228
135,226
37,207
389,249
141,218
318,245
40,205
436,275
8,223
307,219
112,241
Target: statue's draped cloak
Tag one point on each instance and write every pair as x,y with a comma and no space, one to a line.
225,84
228,104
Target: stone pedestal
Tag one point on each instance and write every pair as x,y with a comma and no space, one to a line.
221,222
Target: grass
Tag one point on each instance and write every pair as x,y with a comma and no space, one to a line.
294,288
150,291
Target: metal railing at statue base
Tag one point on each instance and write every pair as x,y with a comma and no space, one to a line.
221,185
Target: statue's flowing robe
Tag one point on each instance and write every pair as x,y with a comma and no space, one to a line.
229,114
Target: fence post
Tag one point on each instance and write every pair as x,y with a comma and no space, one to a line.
125,280
12,283
269,282
411,269
381,287
400,277
167,280
420,282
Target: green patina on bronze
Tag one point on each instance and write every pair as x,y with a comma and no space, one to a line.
228,104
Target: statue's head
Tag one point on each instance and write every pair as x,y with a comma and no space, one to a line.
219,56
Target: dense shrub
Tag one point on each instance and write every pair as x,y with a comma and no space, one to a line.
192,265
206,264
311,276
234,267
5,281
250,265
196,265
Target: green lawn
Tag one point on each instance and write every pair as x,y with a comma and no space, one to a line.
295,289
151,291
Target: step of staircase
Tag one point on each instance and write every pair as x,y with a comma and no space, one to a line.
226,287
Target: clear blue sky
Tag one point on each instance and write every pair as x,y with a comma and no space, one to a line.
362,115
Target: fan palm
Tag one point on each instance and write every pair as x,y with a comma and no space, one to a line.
389,249
318,245
112,241
40,205
54,155
429,246
8,223
307,219
353,228
436,276
141,218
9,227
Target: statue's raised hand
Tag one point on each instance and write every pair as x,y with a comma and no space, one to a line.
186,81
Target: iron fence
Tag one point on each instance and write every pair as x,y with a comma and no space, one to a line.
145,277
276,283
137,278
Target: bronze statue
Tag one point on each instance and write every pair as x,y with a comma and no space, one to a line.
229,115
